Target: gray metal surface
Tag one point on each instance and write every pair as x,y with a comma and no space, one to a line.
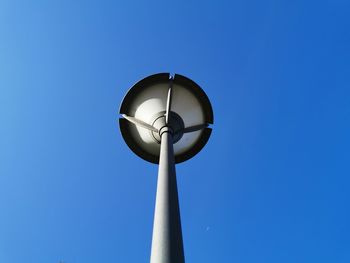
167,245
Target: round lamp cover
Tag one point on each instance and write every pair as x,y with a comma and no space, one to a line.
146,102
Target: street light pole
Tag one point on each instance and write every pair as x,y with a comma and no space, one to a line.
167,245
165,120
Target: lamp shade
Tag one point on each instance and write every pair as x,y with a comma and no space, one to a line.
146,102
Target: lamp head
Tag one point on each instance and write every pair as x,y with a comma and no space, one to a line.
160,101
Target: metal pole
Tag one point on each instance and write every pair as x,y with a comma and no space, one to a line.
167,244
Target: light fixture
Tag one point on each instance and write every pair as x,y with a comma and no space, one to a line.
166,120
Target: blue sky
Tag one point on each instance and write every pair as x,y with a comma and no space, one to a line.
271,185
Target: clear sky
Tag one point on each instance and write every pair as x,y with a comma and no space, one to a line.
271,185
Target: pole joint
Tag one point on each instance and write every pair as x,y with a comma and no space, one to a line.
164,129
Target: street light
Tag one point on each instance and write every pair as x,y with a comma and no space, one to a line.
165,120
